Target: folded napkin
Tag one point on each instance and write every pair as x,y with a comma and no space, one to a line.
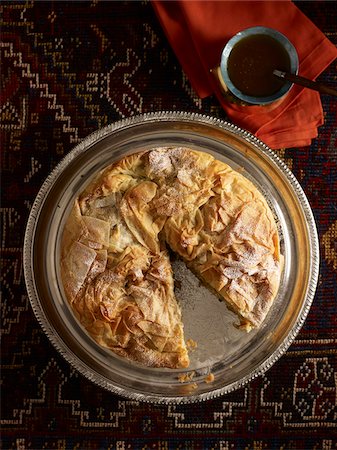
198,31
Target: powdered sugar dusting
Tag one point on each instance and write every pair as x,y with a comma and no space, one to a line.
167,160
184,176
159,161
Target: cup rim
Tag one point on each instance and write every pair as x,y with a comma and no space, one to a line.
282,39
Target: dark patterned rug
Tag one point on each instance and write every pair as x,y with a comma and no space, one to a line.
67,69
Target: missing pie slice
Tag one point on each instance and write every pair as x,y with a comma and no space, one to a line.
115,266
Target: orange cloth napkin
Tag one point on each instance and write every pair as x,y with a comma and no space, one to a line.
198,31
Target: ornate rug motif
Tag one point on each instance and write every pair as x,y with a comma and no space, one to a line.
67,69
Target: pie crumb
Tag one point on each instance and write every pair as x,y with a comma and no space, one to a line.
210,378
191,344
186,377
244,325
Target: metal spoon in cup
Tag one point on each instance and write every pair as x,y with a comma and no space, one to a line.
296,79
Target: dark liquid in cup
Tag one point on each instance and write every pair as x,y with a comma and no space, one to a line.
251,63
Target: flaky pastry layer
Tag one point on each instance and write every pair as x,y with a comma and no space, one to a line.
114,262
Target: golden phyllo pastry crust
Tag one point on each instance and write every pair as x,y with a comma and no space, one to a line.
115,266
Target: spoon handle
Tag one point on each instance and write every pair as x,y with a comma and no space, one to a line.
306,83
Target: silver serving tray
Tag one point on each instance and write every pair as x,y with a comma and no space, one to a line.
232,356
